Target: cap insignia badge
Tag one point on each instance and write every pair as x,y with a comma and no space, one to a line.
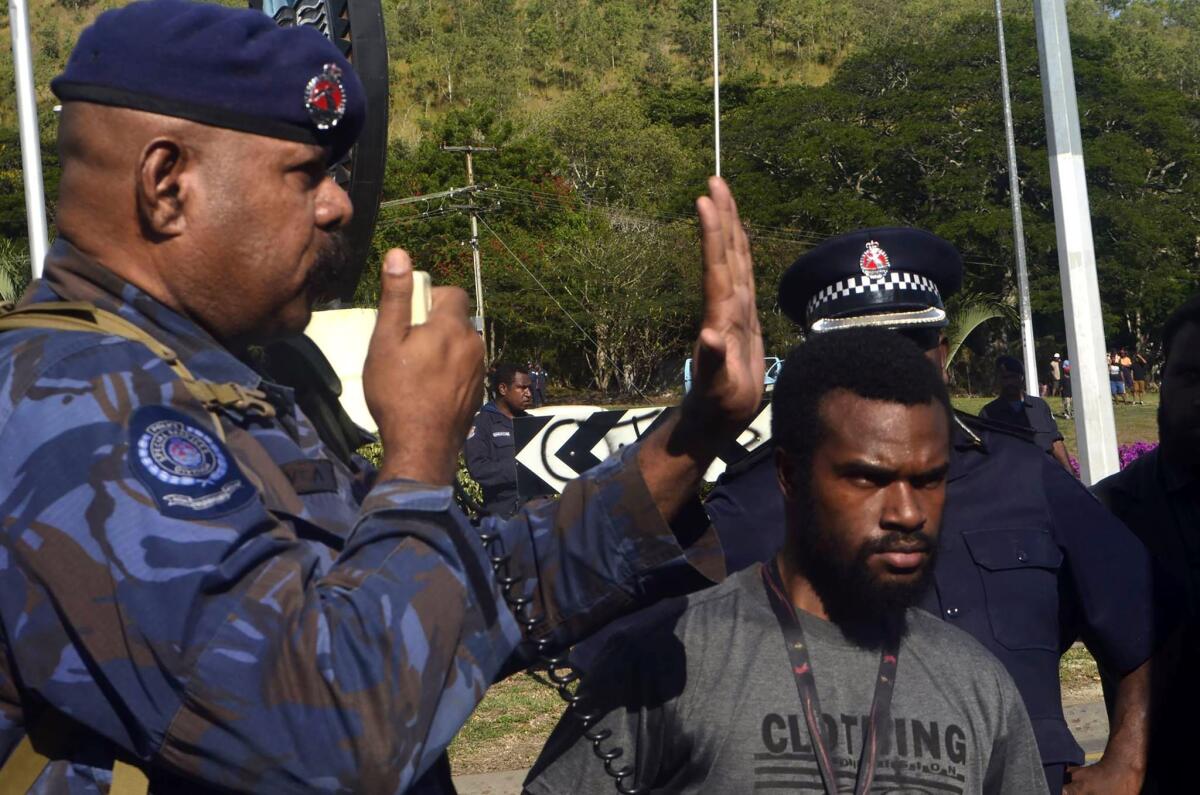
874,261
325,97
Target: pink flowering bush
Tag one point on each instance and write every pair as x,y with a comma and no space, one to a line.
1128,453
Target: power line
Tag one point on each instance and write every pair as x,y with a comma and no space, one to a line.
550,295
533,276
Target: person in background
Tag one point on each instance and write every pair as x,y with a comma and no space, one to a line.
1014,407
538,374
1140,370
827,674
1127,372
1055,375
491,451
1116,381
1068,402
1158,496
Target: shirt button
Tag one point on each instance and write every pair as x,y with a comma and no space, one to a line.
1023,557
951,612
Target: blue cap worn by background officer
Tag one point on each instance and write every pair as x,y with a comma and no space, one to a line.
191,585
1028,561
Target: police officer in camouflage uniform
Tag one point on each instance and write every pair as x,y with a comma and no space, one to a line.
1028,561
191,588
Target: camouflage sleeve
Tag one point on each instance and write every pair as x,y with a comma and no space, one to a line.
205,633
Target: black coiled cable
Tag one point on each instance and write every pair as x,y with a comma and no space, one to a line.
559,672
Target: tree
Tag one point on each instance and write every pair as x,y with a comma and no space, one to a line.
912,135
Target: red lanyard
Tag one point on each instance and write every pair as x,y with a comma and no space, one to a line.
806,686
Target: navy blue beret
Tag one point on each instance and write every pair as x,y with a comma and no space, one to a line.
888,276
225,67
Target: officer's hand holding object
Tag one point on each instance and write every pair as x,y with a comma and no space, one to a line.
422,383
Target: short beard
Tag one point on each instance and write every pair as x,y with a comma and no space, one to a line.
326,277
869,613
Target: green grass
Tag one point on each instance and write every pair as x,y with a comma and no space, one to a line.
508,728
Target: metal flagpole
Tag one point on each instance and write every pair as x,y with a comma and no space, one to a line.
31,145
1014,189
716,87
1094,425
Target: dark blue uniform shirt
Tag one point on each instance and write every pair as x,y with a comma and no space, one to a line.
492,460
1032,413
1028,563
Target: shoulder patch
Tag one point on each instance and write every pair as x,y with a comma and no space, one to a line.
187,471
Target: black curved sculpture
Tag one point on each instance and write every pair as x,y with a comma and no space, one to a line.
356,26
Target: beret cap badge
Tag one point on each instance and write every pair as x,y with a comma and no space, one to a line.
325,97
874,261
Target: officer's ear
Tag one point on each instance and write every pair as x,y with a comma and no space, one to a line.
785,473
943,355
161,185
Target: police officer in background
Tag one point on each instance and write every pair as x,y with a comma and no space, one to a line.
195,591
490,450
1015,407
1028,561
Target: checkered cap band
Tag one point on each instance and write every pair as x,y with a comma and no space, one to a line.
826,300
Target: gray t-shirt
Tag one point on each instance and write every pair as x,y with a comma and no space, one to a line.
702,699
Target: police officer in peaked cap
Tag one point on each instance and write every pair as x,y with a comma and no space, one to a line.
196,593
1028,562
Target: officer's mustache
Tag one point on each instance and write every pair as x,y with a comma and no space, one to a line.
330,269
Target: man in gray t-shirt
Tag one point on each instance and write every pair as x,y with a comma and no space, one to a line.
705,695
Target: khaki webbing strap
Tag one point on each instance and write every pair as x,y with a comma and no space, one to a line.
22,768
128,780
81,316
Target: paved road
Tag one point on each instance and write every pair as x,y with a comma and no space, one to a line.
1088,722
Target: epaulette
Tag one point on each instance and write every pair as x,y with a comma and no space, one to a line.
976,427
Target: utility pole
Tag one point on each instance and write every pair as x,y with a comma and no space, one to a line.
716,31
469,151
1094,425
1014,190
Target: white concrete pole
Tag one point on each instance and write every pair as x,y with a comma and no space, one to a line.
31,145
1094,425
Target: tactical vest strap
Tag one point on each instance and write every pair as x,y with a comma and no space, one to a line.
82,316
128,780
23,766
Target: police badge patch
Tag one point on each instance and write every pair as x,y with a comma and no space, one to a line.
325,97
874,262
187,471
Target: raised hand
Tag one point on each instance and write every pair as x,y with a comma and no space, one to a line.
728,365
422,383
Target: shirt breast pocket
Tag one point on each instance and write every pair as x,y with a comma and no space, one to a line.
1019,569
